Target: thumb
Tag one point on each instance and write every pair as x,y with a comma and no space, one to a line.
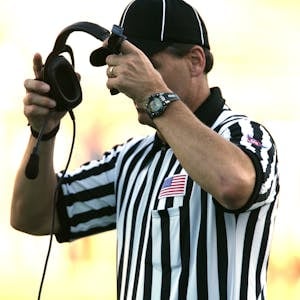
37,66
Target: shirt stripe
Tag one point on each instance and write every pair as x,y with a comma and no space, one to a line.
174,240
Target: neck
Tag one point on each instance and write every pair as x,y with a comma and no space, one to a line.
198,95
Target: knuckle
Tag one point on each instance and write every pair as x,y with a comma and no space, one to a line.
27,84
28,111
25,99
28,98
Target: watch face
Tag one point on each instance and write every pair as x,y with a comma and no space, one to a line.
155,105
158,103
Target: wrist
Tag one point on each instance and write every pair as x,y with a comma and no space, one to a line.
47,136
157,103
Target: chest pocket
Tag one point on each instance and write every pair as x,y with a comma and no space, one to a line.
165,238
166,222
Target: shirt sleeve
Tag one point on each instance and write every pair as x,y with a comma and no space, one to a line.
86,202
255,140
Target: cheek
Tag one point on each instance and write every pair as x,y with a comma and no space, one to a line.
177,82
176,76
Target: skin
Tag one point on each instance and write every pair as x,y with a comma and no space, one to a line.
220,167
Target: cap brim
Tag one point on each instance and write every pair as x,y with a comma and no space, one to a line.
98,56
149,47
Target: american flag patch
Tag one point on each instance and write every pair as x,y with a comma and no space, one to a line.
173,186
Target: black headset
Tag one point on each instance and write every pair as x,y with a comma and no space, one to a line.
64,84
59,73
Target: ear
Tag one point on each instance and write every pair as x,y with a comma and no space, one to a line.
197,61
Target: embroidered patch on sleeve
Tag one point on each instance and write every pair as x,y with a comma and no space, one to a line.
254,142
173,186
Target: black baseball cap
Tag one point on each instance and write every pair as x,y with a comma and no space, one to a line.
153,25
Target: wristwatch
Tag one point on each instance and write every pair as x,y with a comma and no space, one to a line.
158,103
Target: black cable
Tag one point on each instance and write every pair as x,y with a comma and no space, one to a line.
54,204
32,167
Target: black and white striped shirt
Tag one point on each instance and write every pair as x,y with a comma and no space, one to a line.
175,241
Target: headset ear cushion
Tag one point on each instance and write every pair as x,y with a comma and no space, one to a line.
64,85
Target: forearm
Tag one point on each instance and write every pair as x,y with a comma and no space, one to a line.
32,201
221,168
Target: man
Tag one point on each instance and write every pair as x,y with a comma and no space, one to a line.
194,204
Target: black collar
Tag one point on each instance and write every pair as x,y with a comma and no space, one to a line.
211,108
207,112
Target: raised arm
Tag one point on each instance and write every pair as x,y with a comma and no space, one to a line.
33,199
220,167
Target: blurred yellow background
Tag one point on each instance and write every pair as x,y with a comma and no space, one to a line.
256,45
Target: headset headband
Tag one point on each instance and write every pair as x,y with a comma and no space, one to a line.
60,74
95,30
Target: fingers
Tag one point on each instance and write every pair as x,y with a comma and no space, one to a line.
38,66
111,72
127,47
34,112
37,105
131,72
117,63
36,86
36,100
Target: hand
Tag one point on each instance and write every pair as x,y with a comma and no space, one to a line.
37,105
133,74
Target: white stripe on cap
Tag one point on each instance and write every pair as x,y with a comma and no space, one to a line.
125,13
163,21
200,25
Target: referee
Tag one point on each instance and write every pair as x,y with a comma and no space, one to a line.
194,204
